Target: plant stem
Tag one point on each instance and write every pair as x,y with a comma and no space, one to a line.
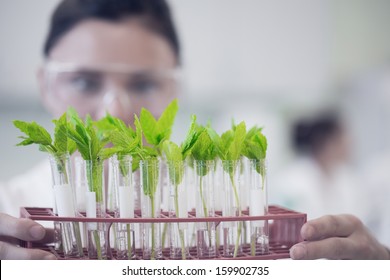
125,171
183,249
261,170
217,241
61,163
181,234
164,235
253,243
76,230
129,245
153,253
97,244
95,184
61,167
237,198
244,231
204,208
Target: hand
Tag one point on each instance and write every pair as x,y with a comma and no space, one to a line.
338,237
12,229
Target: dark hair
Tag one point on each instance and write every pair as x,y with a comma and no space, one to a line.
155,14
311,135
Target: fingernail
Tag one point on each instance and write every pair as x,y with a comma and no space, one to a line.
297,252
49,257
37,232
307,232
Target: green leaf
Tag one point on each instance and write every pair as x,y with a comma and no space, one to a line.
135,163
231,142
23,126
84,136
120,125
217,141
226,141
149,126
157,131
104,128
39,134
148,152
255,144
150,177
122,137
204,148
138,130
251,132
72,147
166,121
234,125
253,150
172,151
109,123
60,134
82,145
95,144
191,137
47,149
235,147
62,142
262,141
175,161
36,134
73,116
108,152
25,142
81,130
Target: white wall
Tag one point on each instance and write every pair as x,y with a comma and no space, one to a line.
255,46
23,27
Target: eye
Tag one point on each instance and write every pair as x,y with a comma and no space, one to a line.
143,85
85,84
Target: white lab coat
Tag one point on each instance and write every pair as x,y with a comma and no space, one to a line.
32,189
304,187
377,187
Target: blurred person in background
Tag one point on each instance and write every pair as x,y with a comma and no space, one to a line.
368,102
119,56
322,183
319,180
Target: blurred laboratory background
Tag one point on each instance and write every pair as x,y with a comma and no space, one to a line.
280,64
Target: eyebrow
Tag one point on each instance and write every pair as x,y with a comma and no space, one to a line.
56,66
89,72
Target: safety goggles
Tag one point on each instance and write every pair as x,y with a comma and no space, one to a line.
88,88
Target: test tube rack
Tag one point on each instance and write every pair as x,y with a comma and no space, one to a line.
284,229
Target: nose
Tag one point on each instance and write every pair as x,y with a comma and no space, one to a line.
118,104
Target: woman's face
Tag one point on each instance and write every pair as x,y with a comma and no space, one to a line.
118,67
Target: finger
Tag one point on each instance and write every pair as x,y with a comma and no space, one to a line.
48,238
330,226
331,248
24,229
10,252
10,240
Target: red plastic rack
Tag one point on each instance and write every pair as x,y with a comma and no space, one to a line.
284,229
